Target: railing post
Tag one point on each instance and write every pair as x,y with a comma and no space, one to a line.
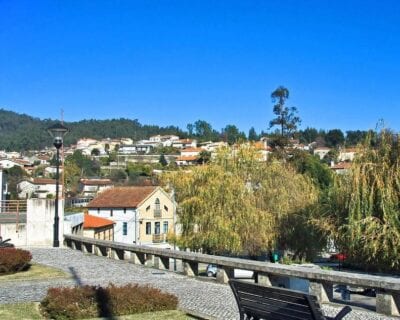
161,263
190,268
137,258
322,290
262,278
117,254
386,303
85,248
224,274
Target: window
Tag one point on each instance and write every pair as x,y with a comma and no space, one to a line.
165,208
111,213
124,210
148,208
157,204
157,228
148,227
125,228
98,210
165,227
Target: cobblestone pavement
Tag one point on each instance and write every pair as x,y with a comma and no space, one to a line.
214,300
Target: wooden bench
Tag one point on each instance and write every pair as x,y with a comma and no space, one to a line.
260,302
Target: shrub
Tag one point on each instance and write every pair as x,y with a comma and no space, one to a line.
14,260
94,301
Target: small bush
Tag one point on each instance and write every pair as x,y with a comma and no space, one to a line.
14,260
93,301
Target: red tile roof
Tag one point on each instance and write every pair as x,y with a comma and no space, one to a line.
93,222
96,182
192,150
44,181
341,166
187,158
122,197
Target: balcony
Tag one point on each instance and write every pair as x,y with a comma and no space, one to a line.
159,238
157,213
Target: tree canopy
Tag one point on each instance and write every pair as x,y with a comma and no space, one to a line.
286,117
239,204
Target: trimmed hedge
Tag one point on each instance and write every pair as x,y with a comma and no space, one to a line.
94,301
14,260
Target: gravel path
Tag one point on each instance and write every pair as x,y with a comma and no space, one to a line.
214,300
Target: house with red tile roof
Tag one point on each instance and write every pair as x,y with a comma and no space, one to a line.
98,227
341,167
142,215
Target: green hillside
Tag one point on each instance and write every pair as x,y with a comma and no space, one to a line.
20,132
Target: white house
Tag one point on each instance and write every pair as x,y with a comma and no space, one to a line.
347,154
184,143
8,163
91,187
321,151
142,215
38,188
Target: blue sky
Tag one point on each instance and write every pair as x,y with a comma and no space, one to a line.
174,62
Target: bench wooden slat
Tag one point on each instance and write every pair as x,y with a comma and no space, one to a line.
262,294
276,309
271,303
301,310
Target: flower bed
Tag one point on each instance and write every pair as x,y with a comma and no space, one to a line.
93,301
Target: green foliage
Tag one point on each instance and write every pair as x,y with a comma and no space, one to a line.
91,302
332,155
15,175
308,135
95,152
203,131
162,160
253,136
239,204
118,175
232,134
14,260
204,157
305,163
334,138
362,213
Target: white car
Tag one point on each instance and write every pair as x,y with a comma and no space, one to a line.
238,273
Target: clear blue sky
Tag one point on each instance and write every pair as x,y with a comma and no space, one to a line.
174,62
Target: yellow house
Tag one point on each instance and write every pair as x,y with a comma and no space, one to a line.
142,215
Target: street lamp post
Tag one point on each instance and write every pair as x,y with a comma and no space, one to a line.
57,131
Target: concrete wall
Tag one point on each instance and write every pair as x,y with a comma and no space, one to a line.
16,234
40,220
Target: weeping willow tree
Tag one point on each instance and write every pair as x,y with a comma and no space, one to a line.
363,215
237,203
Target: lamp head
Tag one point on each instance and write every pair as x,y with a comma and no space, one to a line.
57,131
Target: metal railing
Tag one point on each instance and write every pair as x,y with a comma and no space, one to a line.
11,211
320,281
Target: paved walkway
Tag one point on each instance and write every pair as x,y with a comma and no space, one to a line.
203,297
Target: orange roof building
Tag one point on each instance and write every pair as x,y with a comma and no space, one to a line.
142,214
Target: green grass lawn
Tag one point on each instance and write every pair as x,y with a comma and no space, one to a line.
30,311
35,272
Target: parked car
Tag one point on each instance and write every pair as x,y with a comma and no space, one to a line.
338,257
238,273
